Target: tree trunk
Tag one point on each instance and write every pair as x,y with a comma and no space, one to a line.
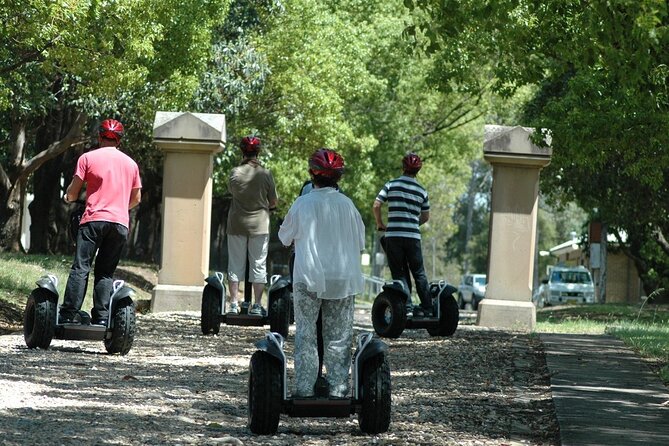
146,221
19,171
471,196
603,260
10,221
11,189
45,228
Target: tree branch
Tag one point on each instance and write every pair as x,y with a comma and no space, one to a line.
661,240
74,136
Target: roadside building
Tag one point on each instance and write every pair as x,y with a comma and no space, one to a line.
623,284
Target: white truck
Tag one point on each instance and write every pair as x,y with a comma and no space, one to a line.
566,285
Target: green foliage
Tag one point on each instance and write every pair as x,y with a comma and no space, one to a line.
337,76
105,49
602,75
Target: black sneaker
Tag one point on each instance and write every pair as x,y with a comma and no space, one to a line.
69,318
419,311
409,310
100,321
321,387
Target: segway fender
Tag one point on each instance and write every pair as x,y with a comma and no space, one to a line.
368,347
279,283
49,283
449,290
272,344
121,297
397,286
442,287
121,291
375,347
216,280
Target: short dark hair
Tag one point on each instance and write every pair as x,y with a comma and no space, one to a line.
323,181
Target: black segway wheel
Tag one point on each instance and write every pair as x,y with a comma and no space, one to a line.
39,319
123,330
210,310
374,417
265,393
279,312
388,315
450,316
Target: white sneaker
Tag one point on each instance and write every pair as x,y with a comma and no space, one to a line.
256,310
233,308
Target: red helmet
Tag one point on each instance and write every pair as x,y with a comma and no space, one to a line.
250,144
326,163
111,129
411,163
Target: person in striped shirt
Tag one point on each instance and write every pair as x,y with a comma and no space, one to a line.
408,208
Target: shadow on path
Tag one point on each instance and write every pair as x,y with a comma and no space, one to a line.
603,393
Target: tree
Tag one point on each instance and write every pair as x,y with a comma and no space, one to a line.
603,94
64,61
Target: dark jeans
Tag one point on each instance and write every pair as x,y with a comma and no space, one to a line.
108,239
405,252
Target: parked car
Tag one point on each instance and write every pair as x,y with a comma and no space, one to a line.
566,285
471,291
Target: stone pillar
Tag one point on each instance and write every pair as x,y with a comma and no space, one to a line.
516,163
189,141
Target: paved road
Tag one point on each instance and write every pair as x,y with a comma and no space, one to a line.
604,394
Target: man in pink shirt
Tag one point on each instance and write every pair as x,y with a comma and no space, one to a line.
113,187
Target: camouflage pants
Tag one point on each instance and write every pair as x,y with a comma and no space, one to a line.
337,338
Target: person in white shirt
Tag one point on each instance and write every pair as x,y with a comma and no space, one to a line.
329,235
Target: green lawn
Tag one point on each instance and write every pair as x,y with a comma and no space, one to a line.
643,328
18,273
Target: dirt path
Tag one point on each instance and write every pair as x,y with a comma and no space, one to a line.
479,387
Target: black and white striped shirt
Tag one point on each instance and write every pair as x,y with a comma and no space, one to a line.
406,200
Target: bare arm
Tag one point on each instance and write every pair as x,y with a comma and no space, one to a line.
424,217
73,190
135,198
376,210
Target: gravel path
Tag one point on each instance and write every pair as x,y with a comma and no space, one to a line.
479,387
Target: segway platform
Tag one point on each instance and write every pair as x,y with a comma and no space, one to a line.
390,318
268,388
42,324
278,314
79,332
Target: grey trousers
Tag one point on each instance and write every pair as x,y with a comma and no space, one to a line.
337,339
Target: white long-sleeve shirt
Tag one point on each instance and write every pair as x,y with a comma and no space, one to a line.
329,236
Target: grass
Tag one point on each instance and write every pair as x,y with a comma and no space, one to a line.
18,273
644,328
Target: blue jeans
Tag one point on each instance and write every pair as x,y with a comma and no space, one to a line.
108,239
403,252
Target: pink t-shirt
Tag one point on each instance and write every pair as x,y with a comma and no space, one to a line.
110,175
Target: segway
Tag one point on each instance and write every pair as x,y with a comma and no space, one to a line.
41,319
389,314
278,316
268,388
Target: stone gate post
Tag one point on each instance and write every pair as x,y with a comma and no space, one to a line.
516,163
189,141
